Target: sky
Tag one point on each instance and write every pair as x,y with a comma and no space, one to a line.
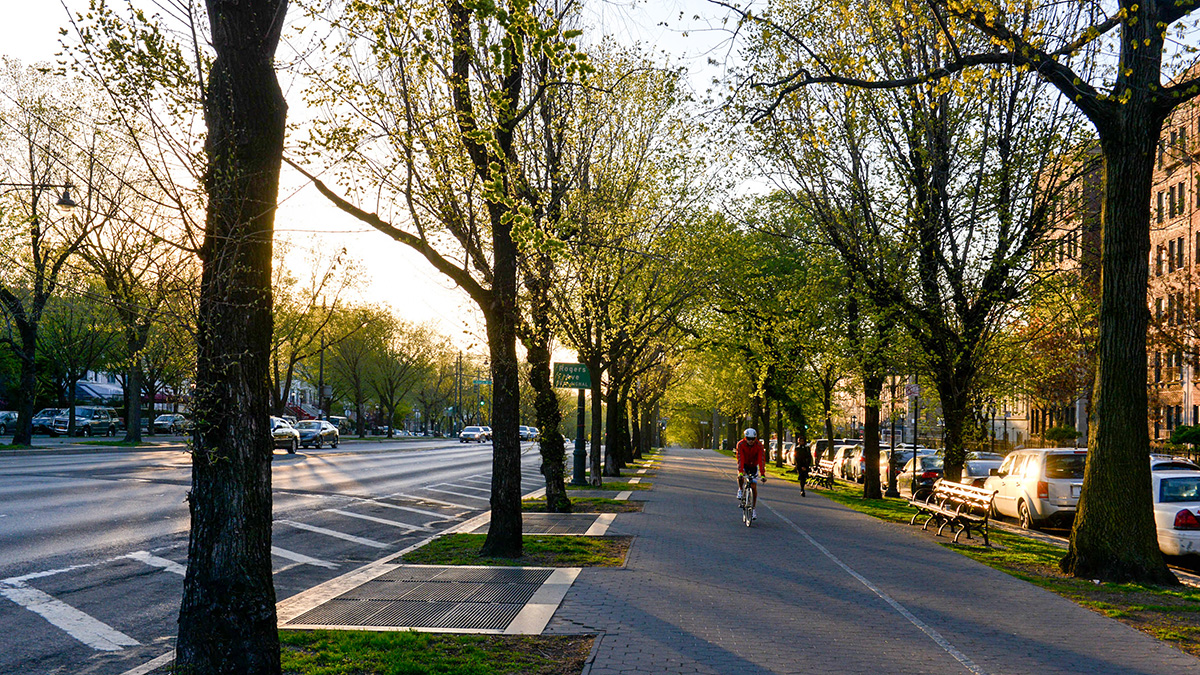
397,276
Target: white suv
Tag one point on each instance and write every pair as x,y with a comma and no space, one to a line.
1039,486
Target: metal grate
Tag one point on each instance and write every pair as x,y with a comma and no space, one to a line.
439,591
505,593
411,573
480,616
497,575
341,613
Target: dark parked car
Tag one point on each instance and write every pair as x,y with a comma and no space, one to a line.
927,472
89,421
43,422
171,423
317,433
285,435
8,421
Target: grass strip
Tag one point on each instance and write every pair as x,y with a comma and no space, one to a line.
125,444
1171,614
586,505
327,652
612,486
539,551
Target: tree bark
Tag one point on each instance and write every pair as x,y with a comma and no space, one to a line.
872,388
27,392
1114,536
227,622
133,415
595,467
549,418
612,442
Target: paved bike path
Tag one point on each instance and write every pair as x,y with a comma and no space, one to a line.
814,587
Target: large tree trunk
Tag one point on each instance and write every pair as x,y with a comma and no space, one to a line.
595,467
27,392
549,419
227,619
612,441
952,389
872,388
1114,537
635,420
504,533
133,416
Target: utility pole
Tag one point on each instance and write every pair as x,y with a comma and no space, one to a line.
457,394
321,382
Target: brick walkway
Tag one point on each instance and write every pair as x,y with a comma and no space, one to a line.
704,594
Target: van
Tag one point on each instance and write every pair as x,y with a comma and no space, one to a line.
1039,487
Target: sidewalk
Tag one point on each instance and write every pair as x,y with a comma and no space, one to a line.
814,587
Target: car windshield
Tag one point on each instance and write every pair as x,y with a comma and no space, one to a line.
165,418
471,429
980,467
931,462
1065,466
1185,489
309,424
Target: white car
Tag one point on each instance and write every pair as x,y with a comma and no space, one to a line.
1039,486
476,434
1177,511
526,433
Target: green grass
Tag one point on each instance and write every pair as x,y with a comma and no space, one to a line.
539,551
617,486
326,652
124,444
586,505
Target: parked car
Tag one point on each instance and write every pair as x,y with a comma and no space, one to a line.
1177,510
171,423
978,466
285,435
43,422
89,421
904,452
1161,462
820,444
526,433
843,456
537,433
8,421
919,474
487,433
1039,486
317,433
789,453
476,434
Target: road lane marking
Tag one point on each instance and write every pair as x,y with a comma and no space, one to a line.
487,489
83,627
634,481
599,527
622,496
152,665
459,494
301,558
903,611
333,533
435,501
478,479
167,565
381,521
423,512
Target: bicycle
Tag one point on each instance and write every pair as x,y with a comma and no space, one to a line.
744,502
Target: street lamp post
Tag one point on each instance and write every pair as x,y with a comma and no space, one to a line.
892,469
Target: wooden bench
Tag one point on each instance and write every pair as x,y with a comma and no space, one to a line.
822,474
963,506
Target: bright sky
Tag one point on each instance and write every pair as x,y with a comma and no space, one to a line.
398,277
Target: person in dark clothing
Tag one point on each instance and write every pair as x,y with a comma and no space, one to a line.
803,464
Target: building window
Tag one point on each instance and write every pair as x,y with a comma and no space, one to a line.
1158,310
1158,366
1179,252
1158,260
1159,213
1171,201
1171,256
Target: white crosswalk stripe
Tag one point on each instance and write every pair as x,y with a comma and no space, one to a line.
423,512
83,627
301,558
150,559
458,494
333,533
381,521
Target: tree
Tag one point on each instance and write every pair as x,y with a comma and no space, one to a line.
37,158
454,85
350,361
78,335
1113,534
400,361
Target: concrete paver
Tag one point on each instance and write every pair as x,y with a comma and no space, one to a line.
814,587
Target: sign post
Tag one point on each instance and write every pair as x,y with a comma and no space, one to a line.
576,376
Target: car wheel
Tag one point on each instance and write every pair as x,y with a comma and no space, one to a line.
317,444
1025,517
293,447
87,431
3,430
334,443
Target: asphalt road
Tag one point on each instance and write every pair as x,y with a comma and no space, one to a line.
93,542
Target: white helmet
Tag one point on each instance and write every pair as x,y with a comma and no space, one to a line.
750,433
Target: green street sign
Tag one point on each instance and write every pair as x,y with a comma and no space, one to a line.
483,381
572,376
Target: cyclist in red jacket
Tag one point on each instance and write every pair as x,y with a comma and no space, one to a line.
752,463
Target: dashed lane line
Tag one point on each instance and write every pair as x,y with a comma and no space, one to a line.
83,627
333,533
301,558
486,490
155,561
382,521
152,665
